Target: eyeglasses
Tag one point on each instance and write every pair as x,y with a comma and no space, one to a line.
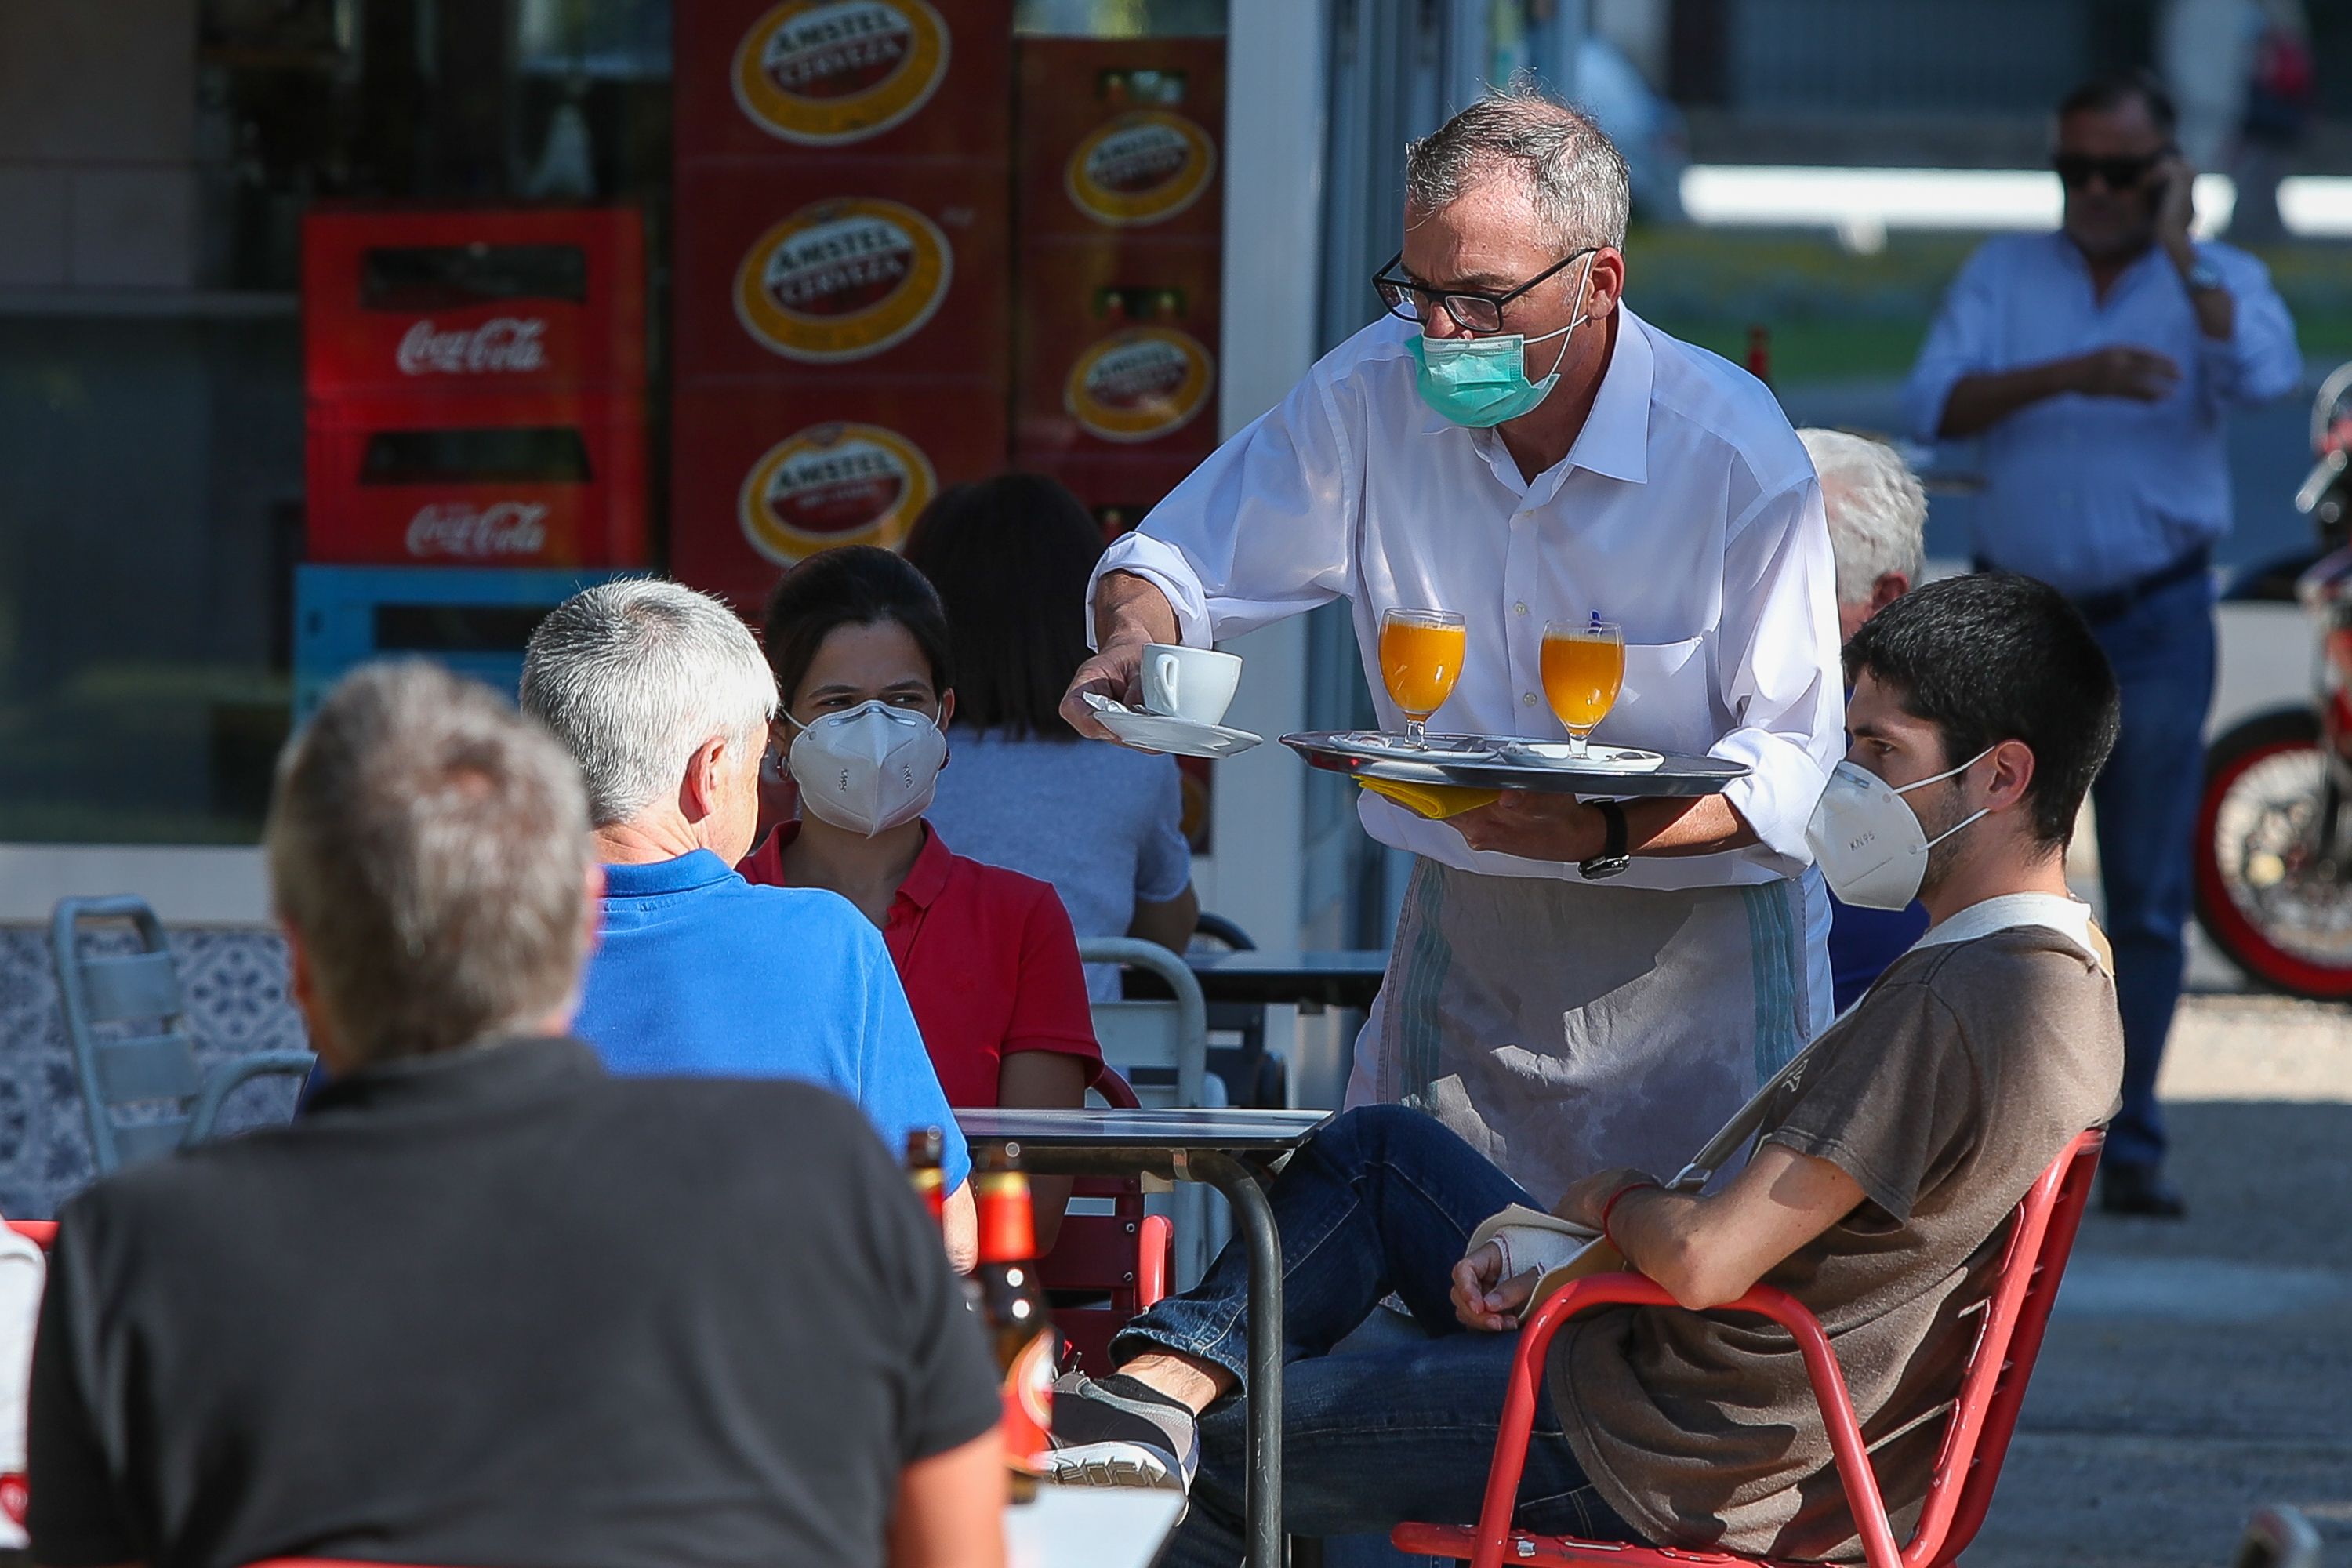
2076,169
1408,298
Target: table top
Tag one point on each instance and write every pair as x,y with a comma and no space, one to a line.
1676,776
1090,1527
1337,978
1251,1131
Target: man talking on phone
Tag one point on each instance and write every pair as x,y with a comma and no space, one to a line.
2097,366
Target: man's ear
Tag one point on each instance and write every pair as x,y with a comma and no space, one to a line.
2012,776
703,786
1890,586
1608,282
593,915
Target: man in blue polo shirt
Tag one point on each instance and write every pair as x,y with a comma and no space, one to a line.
662,697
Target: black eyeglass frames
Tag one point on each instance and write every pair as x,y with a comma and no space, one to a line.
1407,299
2076,170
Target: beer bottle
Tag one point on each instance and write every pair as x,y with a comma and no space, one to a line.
926,1151
1760,352
1014,1307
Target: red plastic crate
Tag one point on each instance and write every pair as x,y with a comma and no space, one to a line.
1116,346
1121,133
554,480
885,77
763,475
466,301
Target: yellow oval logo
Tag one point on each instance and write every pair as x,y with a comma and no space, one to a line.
1139,384
842,279
833,484
826,72
1141,168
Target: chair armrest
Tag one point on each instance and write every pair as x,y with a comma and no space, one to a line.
224,1080
1155,1238
1631,1289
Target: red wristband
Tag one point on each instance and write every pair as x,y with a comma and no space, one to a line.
1609,1209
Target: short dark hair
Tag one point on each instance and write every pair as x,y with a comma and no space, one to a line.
2113,90
857,586
1996,656
1011,557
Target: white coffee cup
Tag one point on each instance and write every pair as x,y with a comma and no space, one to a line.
1195,683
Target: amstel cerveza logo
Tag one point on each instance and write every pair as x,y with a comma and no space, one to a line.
842,279
1141,168
826,72
833,484
1139,384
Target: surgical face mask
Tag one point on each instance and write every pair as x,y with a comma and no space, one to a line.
870,768
1482,381
1867,840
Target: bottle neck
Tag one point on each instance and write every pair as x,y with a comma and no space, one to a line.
1007,1232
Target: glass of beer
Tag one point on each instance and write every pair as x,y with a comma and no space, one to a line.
1421,659
1583,668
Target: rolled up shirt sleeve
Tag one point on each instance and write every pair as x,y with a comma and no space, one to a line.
1961,343
1776,666
1259,531
2258,360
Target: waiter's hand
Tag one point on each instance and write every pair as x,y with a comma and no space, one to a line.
1535,826
1130,613
1485,1300
1117,672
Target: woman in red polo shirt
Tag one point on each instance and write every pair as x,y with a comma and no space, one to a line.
859,645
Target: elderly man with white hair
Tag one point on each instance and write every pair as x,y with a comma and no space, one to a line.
1878,523
664,698
1574,985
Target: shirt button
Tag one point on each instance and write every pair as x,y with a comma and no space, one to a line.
1527,699
1518,609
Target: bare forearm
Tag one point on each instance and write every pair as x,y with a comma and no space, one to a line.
951,1511
1131,609
1170,922
1979,401
1670,827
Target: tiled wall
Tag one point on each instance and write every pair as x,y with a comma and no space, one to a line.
235,983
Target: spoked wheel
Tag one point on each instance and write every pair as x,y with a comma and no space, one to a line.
2273,890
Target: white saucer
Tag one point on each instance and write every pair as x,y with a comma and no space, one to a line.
1165,733
1396,748
1596,758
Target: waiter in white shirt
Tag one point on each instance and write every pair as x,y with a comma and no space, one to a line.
1513,444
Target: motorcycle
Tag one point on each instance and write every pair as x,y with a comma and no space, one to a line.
2273,834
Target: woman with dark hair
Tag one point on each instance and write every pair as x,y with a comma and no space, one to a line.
1012,557
859,647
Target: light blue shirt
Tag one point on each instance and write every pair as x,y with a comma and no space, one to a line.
2092,493
699,975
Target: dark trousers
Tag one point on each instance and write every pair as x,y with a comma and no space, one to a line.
1382,1199
2146,799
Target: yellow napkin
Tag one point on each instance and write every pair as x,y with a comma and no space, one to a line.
1435,802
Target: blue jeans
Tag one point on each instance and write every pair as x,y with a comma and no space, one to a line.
2145,798
1382,1199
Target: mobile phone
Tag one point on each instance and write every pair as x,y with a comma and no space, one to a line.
2278,1536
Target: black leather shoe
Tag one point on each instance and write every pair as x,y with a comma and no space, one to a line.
2141,1190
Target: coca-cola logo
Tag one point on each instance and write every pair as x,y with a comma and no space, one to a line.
507,345
461,529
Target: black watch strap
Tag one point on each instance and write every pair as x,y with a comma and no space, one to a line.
1613,858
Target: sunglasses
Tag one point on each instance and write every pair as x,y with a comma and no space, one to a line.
2076,170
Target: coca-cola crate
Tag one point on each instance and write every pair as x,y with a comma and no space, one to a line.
874,268
483,482
1121,133
1116,345
1121,489
512,302
885,77
765,475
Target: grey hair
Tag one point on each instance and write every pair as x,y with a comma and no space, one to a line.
428,849
1573,172
1878,513
633,677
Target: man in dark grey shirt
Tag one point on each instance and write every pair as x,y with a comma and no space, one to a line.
483,1304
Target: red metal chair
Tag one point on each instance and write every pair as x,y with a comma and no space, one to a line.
1976,1437
1124,1255
40,1232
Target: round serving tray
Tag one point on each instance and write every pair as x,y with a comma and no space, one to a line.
1675,776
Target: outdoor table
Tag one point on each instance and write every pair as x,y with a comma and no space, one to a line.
1209,1146
1090,1527
1348,978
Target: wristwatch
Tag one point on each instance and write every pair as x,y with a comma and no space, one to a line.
1613,858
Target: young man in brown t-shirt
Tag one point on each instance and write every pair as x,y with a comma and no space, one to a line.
1876,1192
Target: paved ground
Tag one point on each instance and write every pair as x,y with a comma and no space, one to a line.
2197,1370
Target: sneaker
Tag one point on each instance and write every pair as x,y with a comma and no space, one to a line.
1105,1440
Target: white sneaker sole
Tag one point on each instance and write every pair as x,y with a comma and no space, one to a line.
1111,1465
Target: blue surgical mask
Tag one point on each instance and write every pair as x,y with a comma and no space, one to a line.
1482,381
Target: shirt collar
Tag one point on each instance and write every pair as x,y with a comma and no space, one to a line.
494,1072
655,879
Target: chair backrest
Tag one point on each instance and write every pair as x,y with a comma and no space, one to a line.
122,1016
1976,1438
1162,1047
1110,1248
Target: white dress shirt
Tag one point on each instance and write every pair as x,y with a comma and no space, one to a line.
1688,513
2091,494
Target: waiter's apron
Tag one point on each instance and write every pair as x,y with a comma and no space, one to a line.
1563,1030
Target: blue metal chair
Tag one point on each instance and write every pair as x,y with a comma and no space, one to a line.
141,989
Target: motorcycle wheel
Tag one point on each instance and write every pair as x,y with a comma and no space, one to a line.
2287,925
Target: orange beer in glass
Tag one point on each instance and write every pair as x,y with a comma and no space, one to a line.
1421,659
1582,668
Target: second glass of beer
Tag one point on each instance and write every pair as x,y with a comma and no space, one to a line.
1421,659
1582,666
